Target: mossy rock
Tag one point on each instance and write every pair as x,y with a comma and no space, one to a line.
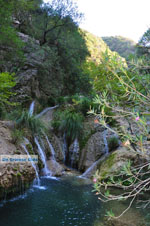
115,162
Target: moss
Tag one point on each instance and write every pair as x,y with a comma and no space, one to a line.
110,161
30,149
18,174
107,165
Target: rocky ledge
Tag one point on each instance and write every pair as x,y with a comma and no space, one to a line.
14,177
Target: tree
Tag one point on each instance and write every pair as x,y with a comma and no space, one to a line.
7,82
8,35
124,46
132,104
23,11
12,12
143,47
145,40
52,18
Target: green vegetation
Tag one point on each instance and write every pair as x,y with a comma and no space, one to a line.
123,46
96,47
12,14
63,52
143,47
7,82
17,136
68,122
77,70
24,121
113,143
123,90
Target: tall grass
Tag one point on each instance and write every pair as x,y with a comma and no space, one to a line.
30,122
68,122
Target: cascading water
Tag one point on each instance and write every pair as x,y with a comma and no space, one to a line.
75,153
51,148
46,110
85,174
64,147
106,151
92,167
37,180
31,109
43,158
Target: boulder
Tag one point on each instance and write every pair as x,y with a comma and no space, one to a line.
116,160
55,168
96,143
57,144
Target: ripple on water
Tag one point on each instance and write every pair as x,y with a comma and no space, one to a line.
54,203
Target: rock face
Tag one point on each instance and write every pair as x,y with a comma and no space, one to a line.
37,77
116,160
57,145
27,84
93,150
13,176
96,145
56,169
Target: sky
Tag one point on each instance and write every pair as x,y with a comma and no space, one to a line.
128,18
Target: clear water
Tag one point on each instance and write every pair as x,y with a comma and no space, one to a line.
68,201
31,109
37,180
64,202
41,152
51,148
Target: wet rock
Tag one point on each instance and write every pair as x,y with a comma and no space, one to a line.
96,139
57,144
93,150
73,154
55,168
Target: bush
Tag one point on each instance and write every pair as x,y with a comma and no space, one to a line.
113,143
68,122
32,123
17,136
71,124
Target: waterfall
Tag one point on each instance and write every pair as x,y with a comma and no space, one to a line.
93,166
105,142
46,110
75,152
37,181
43,157
31,109
64,147
71,155
51,148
